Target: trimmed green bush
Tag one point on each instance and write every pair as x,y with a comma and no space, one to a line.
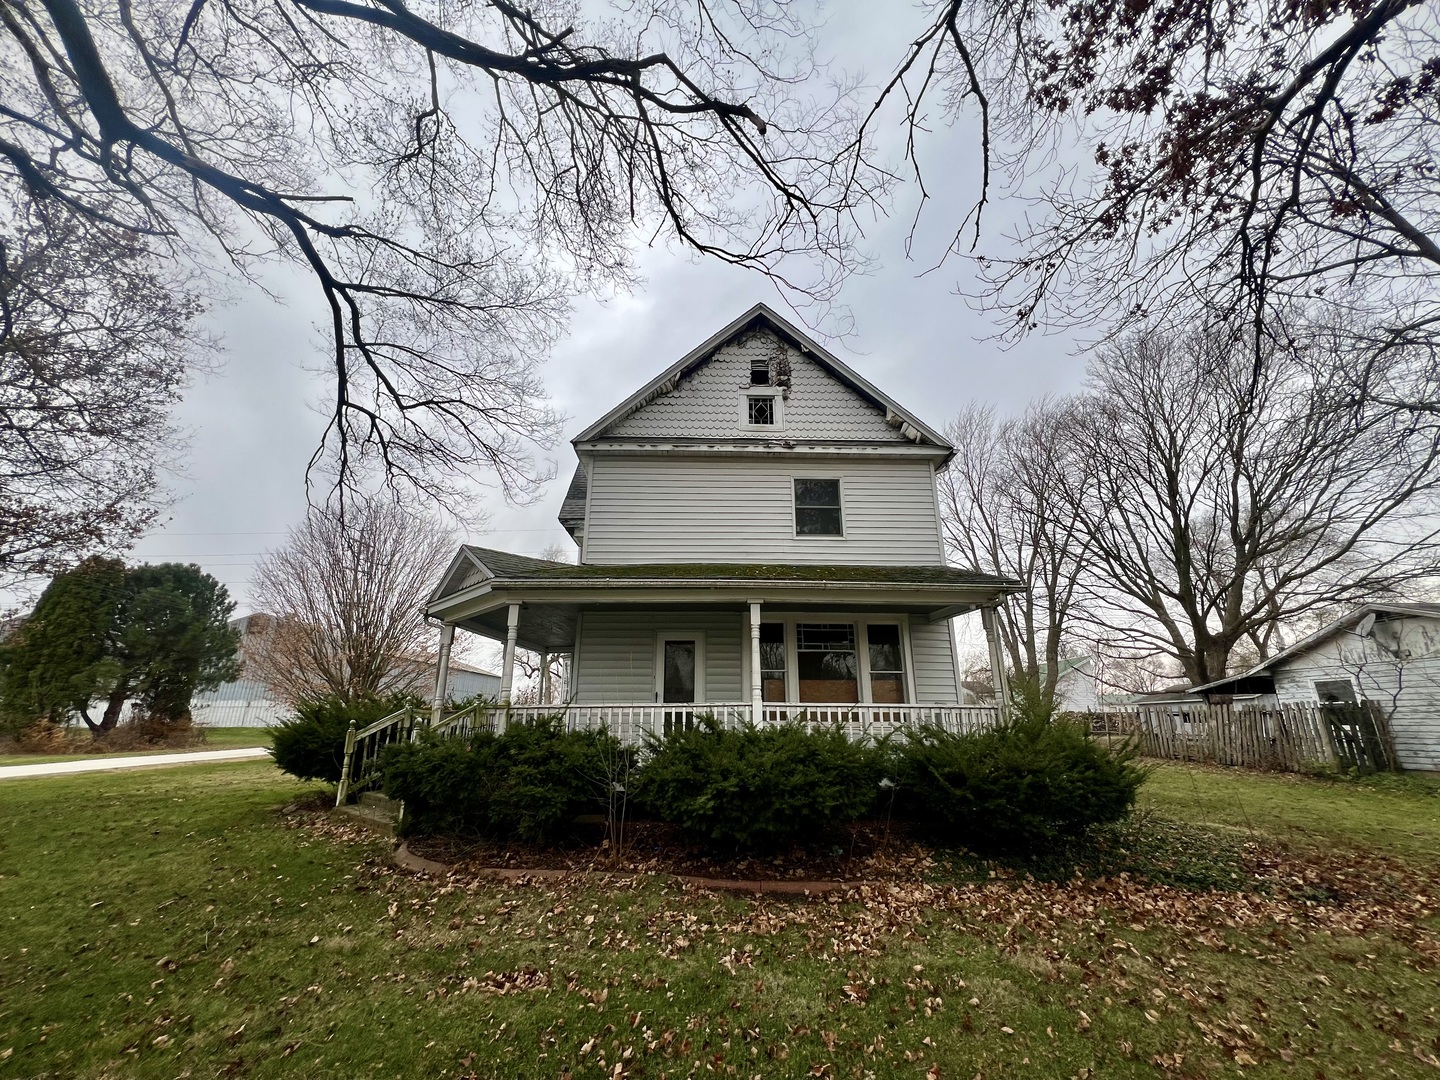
757,788
311,744
1023,786
529,782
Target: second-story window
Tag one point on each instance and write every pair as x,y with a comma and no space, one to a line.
817,507
759,373
760,411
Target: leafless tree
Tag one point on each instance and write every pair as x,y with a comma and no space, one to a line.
1244,156
94,349
450,176
1226,497
348,599
1003,510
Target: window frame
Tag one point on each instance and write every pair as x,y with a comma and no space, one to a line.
795,507
1354,690
777,402
861,621
697,636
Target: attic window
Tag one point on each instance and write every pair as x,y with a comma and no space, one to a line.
759,373
760,411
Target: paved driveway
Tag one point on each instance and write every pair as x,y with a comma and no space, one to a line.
137,761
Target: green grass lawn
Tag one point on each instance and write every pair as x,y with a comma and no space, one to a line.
216,738
179,923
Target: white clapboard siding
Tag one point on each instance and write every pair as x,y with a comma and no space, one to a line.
666,508
618,653
934,659
1410,687
706,403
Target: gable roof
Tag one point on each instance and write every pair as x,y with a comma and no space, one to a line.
761,315
572,509
1401,610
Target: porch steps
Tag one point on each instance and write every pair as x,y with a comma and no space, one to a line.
375,811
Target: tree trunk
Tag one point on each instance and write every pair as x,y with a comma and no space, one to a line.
85,715
114,705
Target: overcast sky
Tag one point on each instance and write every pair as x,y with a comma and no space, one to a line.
255,421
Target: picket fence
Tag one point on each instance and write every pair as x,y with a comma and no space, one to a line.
1293,737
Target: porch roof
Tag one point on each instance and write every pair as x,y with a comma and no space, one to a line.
482,582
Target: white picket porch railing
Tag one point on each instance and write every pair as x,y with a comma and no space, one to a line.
632,723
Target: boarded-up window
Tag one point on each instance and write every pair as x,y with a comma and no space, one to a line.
826,662
887,669
772,661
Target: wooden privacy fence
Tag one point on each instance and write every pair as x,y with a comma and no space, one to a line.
1296,737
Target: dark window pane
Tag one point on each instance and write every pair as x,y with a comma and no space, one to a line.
884,647
761,410
817,521
679,671
1335,692
817,492
760,374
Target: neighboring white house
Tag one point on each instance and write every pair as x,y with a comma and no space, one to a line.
1075,685
759,530
1385,653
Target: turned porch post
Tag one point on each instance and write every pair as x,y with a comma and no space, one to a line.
757,696
990,620
442,673
507,673
544,678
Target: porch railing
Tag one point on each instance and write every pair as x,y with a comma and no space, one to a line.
632,723
363,748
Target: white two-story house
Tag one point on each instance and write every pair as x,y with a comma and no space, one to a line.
759,537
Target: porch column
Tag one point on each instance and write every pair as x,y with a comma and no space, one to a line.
544,678
998,678
442,673
507,672
757,703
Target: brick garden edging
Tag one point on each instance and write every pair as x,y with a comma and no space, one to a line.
406,859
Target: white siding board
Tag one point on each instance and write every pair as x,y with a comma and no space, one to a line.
1411,688
706,403
617,653
934,658
667,508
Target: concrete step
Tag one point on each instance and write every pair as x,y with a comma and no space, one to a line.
381,821
374,800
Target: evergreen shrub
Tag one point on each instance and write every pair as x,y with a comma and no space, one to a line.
311,744
1023,786
530,782
758,788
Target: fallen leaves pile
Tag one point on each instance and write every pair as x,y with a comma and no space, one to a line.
1082,936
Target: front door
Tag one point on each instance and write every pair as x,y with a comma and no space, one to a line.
680,677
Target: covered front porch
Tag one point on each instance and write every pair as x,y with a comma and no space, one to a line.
652,645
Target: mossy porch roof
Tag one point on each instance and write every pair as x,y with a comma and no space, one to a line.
509,568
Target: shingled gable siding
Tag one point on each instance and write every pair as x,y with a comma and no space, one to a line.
728,509
1416,722
706,403
617,653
